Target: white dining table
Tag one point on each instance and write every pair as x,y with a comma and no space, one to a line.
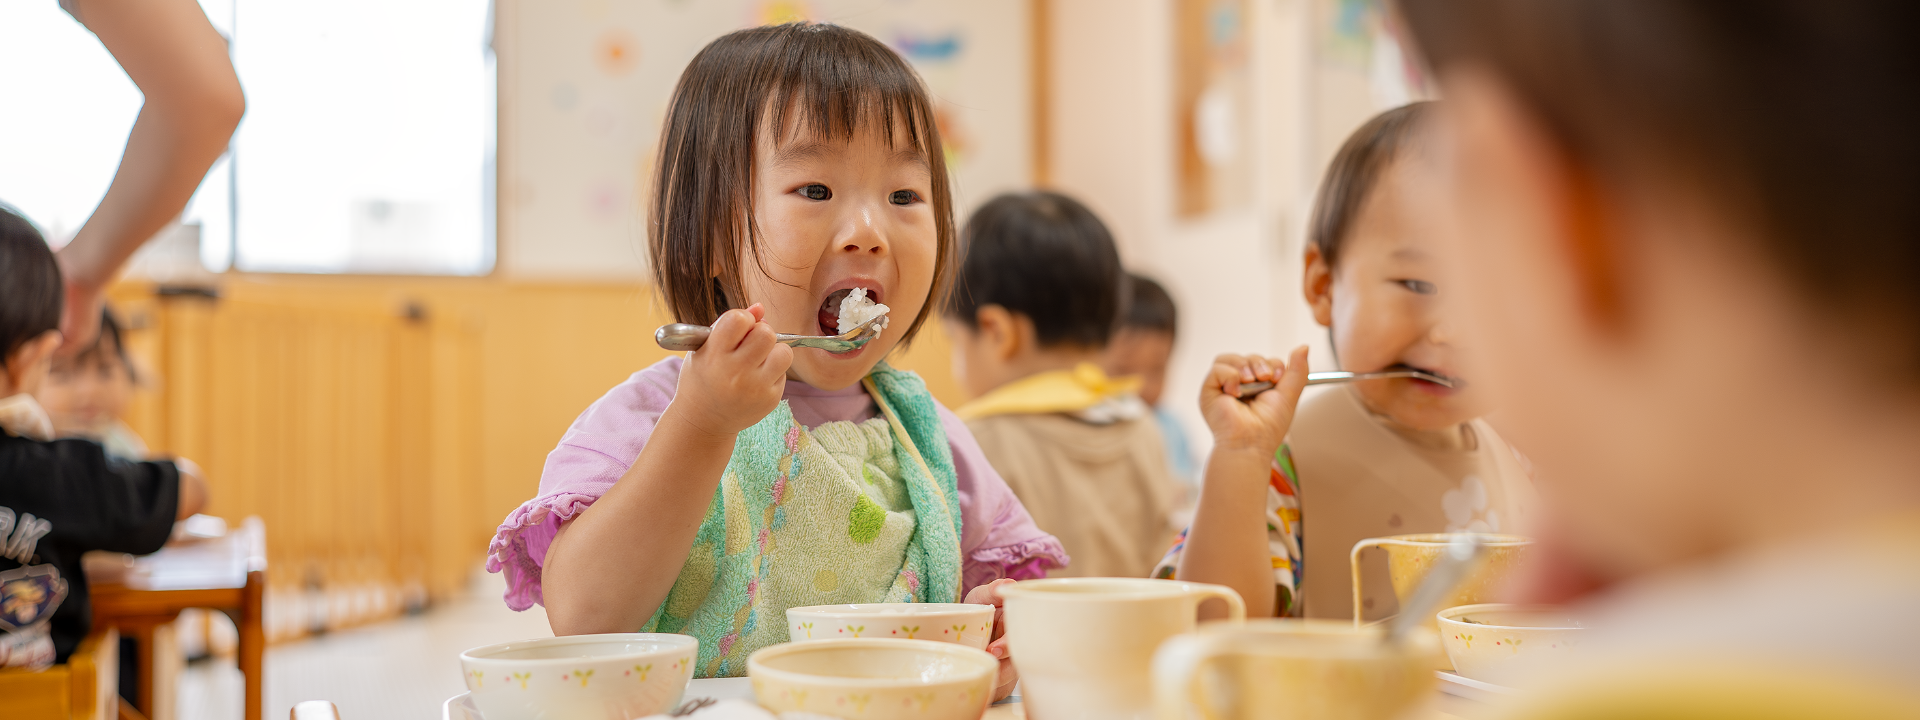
1457,699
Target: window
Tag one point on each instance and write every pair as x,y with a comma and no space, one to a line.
367,145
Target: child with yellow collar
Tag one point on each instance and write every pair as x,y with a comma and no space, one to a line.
1036,304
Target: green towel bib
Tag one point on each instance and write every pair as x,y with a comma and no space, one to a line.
845,513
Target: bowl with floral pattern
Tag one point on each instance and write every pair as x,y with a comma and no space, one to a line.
1504,644
872,678
615,676
964,623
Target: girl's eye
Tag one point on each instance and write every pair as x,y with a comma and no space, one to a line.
1420,287
904,197
816,191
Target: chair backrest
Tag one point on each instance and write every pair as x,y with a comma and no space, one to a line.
87,687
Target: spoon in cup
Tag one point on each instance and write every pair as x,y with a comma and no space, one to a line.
1456,562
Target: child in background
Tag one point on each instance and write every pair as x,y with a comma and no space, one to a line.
87,392
1376,457
708,493
1142,347
60,498
1038,297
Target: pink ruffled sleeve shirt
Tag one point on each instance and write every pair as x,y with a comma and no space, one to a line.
997,537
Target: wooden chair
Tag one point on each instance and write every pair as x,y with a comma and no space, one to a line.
87,687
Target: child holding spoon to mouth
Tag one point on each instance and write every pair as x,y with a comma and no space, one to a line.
800,179
1364,459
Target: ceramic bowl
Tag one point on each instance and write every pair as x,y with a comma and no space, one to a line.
617,676
967,624
1503,644
874,678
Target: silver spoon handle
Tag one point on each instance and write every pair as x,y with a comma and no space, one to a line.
683,337
1248,390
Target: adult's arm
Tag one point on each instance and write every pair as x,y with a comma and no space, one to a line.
193,103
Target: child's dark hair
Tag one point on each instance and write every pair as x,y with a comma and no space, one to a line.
31,292
836,80
1362,160
1149,307
110,343
1782,114
1046,256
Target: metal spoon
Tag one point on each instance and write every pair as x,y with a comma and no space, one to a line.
692,706
1248,390
1459,559
680,337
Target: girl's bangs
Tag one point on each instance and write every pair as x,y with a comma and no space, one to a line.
830,93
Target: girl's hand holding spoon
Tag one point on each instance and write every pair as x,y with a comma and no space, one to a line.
1260,422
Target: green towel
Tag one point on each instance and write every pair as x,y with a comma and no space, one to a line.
845,513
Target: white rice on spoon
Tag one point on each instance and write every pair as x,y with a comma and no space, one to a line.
857,308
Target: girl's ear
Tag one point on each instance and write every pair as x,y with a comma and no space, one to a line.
1317,284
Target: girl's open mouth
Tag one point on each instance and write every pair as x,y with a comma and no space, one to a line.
829,313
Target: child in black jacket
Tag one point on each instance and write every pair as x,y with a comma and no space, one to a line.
60,498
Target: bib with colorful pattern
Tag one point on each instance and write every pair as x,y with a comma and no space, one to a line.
844,513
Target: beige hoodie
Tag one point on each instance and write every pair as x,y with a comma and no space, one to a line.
1362,476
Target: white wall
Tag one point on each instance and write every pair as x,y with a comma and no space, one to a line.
584,87
1236,274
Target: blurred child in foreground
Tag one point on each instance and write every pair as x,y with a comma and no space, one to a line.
60,498
1688,242
1036,302
1142,347
1376,457
87,392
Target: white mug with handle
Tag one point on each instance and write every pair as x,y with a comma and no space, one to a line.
1293,670
1085,646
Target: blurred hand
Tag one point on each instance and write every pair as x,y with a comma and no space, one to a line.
80,314
736,378
1259,424
989,594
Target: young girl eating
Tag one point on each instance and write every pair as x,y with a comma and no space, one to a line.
1371,458
705,495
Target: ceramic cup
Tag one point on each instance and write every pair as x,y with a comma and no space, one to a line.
616,676
1503,644
1294,669
1084,646
967,624
1409,557
876,679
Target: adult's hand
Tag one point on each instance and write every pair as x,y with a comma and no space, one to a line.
193,103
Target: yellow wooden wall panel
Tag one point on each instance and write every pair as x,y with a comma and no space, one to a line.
383,427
